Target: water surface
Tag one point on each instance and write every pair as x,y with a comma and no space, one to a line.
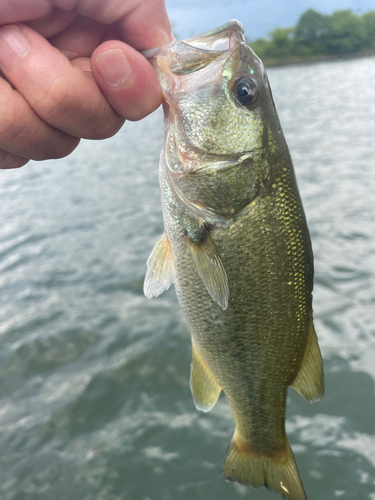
95,401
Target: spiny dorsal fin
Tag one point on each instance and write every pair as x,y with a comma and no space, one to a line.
204,388
160,272
210,269
309,381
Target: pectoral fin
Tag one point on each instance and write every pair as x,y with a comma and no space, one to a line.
203,385
210,269
160,272
309,381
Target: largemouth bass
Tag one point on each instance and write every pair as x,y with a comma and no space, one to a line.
237,247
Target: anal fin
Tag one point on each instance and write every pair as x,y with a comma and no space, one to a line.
204,387
160,271
309,381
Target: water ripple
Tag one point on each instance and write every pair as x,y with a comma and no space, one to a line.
95,402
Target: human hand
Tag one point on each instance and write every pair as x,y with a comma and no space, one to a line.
71,69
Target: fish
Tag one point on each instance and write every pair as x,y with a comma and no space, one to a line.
236,246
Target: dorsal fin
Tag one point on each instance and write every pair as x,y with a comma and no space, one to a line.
203,385
210,268
309,381
160,272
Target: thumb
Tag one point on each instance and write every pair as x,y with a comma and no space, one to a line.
126,79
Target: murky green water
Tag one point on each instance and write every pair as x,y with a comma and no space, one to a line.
95,402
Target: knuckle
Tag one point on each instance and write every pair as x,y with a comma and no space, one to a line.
24,136
70,108
13,124
106,127
58,148
9,160
57,100
98,10
66,147
23,133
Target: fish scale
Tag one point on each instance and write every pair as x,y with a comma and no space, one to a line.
237,247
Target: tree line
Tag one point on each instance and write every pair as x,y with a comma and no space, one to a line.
316,34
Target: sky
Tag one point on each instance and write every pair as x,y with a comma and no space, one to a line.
259,17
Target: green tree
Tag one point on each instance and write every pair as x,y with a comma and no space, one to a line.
347,32
311,26
281,42
260,47
343,32
368,20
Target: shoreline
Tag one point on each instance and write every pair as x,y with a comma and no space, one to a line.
273,63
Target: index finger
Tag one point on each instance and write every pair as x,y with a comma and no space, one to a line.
143,24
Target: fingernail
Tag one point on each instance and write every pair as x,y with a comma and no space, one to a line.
13,45
114,67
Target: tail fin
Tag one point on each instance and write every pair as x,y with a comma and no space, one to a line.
276,473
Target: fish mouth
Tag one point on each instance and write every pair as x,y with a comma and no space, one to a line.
220,39
186,56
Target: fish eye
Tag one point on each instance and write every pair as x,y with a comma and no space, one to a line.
245,90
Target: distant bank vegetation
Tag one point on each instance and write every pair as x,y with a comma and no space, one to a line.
317,36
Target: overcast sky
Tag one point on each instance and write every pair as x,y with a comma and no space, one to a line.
191,17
